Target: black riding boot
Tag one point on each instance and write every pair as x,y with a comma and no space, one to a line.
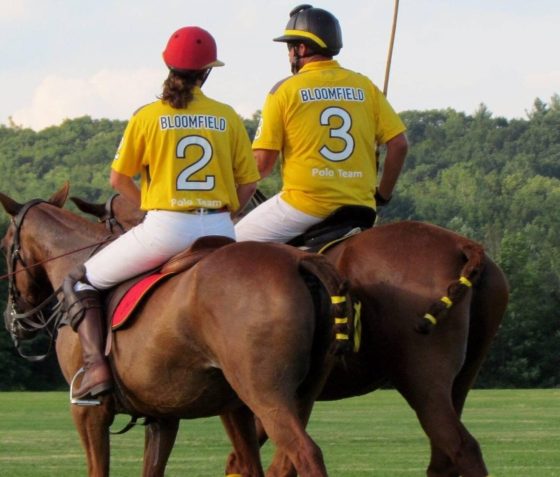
97,377
85,316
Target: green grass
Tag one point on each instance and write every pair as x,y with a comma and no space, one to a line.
375,435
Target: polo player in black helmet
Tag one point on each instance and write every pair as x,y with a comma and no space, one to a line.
316,28
327,122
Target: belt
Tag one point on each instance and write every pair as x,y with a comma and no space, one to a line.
203,211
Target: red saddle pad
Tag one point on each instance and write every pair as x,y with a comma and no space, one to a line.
133,297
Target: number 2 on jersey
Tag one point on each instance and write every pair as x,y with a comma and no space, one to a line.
183,182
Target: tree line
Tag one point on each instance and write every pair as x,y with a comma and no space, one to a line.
489,178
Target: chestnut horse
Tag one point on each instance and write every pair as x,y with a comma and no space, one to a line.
432,302
250,329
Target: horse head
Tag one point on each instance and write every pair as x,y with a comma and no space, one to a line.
118,213
27,295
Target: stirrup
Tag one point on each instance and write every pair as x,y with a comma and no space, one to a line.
82,401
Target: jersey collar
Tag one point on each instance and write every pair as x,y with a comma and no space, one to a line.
319,65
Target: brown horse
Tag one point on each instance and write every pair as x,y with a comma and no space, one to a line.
249,329
412,276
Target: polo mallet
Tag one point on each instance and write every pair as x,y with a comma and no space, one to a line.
391,44
388,65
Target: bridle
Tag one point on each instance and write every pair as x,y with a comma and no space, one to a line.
109,218
26,324
48,315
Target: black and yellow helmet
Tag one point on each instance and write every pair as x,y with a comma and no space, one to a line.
315,27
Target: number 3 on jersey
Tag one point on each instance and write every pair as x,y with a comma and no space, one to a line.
183,179
341,132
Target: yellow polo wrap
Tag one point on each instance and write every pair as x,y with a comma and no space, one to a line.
431,318
357,326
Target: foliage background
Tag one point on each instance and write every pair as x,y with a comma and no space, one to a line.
492,179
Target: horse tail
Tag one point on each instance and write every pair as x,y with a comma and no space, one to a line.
470,273
338,305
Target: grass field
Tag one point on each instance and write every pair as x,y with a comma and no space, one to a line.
374,435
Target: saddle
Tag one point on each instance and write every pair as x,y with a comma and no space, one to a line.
121,301
340,224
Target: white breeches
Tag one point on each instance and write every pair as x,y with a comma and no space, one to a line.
274,221
161,235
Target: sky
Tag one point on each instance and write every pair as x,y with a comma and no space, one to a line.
62,59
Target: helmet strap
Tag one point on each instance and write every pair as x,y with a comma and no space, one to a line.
204,76
296,62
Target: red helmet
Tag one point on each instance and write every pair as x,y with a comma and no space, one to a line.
191,48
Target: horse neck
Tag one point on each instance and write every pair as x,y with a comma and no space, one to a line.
55,237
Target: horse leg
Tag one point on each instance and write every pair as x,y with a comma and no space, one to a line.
487,310
159,438
297,453
454,450
488,306
281,464
93,424
245,460
283,421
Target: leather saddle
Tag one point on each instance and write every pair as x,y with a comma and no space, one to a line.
118,298
344,221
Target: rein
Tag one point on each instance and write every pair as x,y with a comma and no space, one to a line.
29,267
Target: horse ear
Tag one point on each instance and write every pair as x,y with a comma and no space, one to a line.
10,205
97,210
59,198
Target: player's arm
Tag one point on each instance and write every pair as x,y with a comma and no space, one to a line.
125,186
265,158
397,148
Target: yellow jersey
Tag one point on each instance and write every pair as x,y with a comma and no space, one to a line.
327,121
187,158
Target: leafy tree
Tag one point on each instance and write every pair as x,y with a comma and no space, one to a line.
251,125
492,179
